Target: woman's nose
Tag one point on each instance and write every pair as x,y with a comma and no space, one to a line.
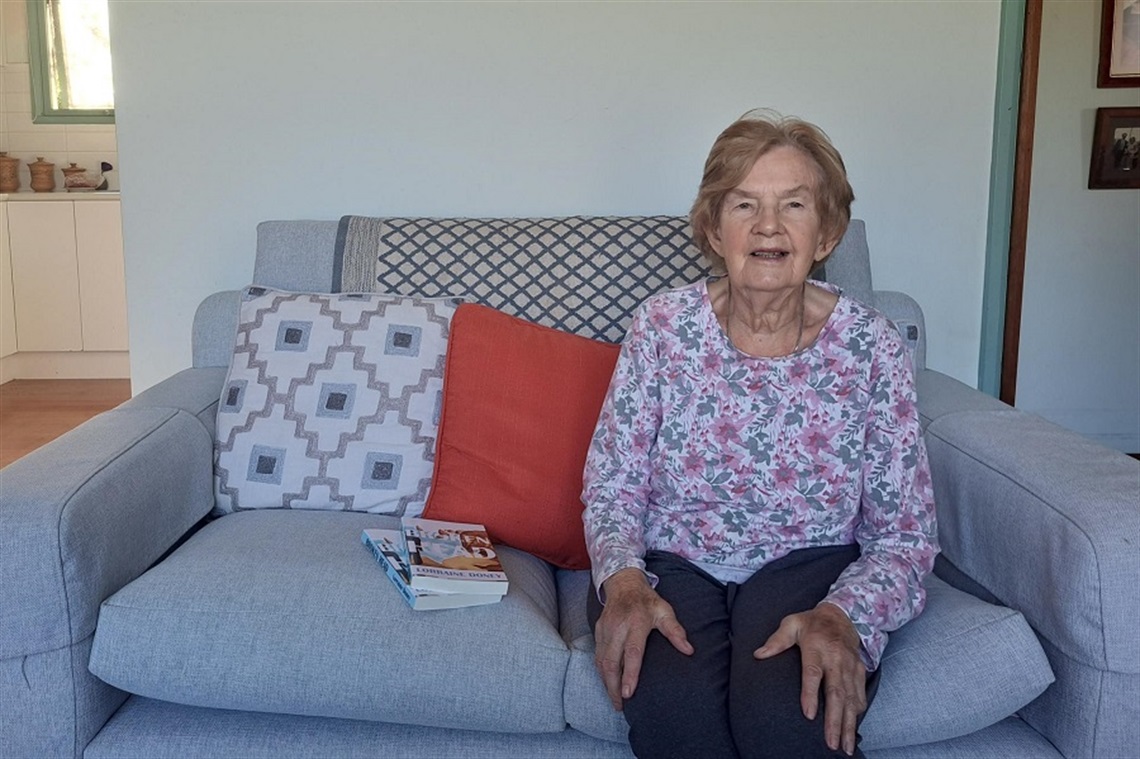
767,220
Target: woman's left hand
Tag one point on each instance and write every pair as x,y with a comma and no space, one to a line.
829,649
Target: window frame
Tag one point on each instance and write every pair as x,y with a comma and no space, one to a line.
39,68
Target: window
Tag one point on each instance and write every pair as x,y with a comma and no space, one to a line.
69,53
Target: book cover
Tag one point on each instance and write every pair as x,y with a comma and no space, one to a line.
452,556
384,545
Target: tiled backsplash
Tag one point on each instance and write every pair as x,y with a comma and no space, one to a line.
87,145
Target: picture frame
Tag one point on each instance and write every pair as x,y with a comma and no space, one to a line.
1115,160
1119,44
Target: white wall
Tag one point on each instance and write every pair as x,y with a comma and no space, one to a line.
86,145
1079,361
231,113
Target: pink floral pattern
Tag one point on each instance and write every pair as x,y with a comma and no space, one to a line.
733,461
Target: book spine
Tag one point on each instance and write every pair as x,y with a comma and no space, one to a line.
389,570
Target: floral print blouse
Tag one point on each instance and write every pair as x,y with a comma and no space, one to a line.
732,461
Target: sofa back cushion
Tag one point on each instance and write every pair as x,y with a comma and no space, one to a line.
522,278
331,402
580,274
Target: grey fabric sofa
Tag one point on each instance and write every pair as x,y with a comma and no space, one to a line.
132,625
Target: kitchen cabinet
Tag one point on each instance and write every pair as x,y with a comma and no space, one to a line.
45,276
102,280
64,292
7,294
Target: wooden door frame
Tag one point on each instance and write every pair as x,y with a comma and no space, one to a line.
1011,168
1022,174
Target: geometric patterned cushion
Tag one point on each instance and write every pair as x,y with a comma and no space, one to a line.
331,402
579,274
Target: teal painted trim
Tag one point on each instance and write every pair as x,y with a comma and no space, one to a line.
39,67
73,116
1002,157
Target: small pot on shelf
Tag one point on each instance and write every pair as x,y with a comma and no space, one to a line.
43,174
9,173
78,179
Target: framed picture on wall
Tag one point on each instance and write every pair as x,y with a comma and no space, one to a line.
1115,162
1119,44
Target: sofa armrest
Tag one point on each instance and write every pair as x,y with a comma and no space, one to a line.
215,325
80,518
195,391
939,394
906,314
1049,523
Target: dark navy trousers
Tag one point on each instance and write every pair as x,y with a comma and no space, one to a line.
722,702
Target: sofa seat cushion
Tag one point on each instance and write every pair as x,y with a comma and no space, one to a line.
285,611
961,666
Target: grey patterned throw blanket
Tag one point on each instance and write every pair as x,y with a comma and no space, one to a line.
581,274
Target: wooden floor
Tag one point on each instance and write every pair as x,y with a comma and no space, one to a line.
35,412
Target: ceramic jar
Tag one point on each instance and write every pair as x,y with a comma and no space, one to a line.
75,177
9,173
43,174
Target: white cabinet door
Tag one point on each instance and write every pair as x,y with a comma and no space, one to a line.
45,276
7,295
102,281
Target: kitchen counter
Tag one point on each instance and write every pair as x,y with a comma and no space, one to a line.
28,195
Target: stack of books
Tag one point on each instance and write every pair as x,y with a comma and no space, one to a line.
439,565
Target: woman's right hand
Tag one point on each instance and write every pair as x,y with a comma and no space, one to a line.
632,611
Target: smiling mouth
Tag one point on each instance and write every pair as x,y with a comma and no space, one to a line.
769,255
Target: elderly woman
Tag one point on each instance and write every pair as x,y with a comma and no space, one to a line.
759,511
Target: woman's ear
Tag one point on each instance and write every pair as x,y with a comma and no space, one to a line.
713,236
825,248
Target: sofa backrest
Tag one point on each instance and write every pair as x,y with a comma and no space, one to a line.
302,255
532,268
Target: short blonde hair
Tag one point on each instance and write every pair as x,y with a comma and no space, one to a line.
738,148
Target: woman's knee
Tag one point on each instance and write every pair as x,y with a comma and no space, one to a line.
681,730
766,714
679,708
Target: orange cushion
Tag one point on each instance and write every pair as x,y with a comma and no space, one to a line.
520,402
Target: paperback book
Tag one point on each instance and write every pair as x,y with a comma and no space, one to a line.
385,546
452,557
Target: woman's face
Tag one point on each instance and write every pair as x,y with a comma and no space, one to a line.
769,229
